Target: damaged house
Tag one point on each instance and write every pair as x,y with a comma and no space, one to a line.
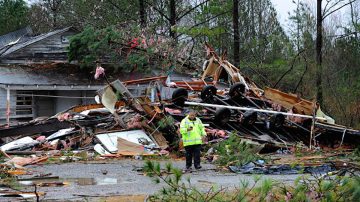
36,79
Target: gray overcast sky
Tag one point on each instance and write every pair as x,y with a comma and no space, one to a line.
283,7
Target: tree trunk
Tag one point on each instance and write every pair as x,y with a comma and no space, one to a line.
252,11
319,36
142,13
236,32
298,26
54,24
172,18
354,19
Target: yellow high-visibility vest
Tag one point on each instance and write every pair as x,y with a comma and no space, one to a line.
194,136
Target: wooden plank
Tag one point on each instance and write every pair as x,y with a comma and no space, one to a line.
81,108
145,80
289,101
160,139
188,85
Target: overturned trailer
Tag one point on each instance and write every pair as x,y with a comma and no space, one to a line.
235,103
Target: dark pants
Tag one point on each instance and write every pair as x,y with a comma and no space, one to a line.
190,152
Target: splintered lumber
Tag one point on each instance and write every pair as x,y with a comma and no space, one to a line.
159,139
138,105
251,109
289,101
17,172
151,110
81,108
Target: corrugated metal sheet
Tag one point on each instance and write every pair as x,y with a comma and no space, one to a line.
14,36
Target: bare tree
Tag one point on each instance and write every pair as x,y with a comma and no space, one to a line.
319,36
174,14
236,32
330,7
142,13
54,7
172,18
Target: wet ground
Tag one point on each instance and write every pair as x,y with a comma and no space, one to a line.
93,181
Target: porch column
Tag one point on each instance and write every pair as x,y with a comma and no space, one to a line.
8,106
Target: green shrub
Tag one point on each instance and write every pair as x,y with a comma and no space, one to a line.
305,188
234,151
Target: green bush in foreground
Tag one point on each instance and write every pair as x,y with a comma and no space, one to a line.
234,151
305,188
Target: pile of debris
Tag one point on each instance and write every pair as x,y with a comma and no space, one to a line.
122,124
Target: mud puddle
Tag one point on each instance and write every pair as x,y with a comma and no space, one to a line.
68,181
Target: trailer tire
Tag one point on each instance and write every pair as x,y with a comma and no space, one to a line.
179,96
277,120
307,123
250,117
236,90
222,116
208,92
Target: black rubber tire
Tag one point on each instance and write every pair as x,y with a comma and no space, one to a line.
307,123
250,117
236,90
222,116
207,93
277,120
179,96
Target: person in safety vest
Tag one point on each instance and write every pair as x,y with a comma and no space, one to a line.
192,131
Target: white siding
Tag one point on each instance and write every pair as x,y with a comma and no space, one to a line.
62,104
44,106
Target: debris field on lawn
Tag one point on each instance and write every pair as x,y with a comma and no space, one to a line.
228,103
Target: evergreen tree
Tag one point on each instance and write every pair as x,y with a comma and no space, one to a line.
13,15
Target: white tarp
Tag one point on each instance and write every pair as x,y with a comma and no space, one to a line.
60,133
100,149
109,140
19,143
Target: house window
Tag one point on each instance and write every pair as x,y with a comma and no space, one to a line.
64,39
24,104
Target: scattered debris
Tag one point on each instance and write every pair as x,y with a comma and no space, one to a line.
228,103
251,168
24,195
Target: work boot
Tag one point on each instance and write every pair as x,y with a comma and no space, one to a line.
198,167
187,170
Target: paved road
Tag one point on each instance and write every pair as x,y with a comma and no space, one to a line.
123,179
